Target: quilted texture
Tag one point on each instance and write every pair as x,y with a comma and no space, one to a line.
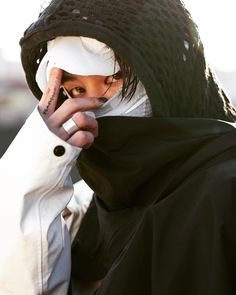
157,38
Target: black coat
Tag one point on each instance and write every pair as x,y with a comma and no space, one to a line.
162,221
172,228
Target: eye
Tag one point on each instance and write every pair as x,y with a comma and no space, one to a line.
77,91
114,78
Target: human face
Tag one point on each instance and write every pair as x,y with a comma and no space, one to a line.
78,86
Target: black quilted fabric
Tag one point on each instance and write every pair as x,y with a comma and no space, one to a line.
157,38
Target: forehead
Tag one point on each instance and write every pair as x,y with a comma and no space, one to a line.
68,77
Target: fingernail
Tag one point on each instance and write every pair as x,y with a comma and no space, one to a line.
103,99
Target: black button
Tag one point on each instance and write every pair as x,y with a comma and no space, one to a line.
59,151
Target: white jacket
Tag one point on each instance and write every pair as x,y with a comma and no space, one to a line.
35,227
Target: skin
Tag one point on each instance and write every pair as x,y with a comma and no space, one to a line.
86,91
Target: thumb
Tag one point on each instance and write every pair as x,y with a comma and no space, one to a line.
49,99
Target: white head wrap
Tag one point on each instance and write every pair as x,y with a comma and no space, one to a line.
78,56
86,56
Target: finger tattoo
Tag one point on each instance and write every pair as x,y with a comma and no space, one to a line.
51,98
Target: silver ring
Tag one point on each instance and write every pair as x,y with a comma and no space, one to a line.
70,126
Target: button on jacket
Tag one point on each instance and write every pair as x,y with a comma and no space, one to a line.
35,189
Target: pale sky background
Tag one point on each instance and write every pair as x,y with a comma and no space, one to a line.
216,20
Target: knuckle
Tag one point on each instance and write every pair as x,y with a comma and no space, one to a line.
82,104
50,122
95,102
69,103
85,139
80,118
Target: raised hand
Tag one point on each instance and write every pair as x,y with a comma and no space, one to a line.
80,127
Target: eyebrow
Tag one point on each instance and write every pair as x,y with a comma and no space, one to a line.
67,77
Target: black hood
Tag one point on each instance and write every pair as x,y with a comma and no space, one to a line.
157,38
167,182
140,161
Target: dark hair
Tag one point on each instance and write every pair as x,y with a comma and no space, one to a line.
130,79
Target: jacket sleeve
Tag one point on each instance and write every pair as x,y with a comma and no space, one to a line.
35,187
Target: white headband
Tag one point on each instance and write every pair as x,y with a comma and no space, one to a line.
78,56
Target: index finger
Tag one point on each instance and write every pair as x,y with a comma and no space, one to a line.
49,99
74,105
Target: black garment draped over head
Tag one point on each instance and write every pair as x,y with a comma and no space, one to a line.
139,156
157,38
163,218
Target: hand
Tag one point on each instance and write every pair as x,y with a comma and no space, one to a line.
72,108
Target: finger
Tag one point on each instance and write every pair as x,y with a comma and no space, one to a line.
49,99
74,105
82,139
82,121
86,122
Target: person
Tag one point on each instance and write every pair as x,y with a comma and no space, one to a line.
126,95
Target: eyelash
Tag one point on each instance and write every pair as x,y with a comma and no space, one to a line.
114,78
117,76
77,89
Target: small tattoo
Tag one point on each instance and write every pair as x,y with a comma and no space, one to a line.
49,102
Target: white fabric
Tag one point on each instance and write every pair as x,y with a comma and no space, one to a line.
138,106
35,189
43,211
42,208
87,56
78,56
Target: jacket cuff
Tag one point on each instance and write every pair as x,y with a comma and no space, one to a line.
42,157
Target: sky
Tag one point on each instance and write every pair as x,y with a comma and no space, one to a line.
215,18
